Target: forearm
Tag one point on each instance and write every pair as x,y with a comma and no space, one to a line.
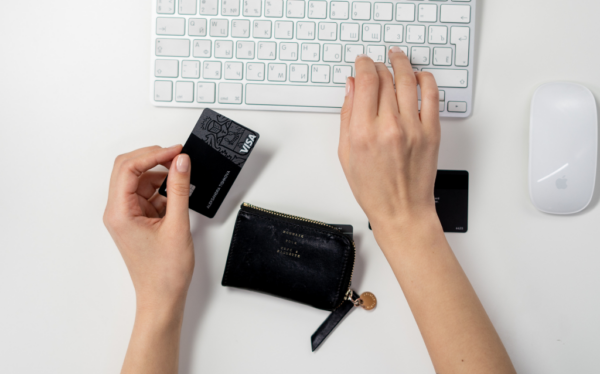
458,334
154,344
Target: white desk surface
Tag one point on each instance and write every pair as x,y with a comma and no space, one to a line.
74,94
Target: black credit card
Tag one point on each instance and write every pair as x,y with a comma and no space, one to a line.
451,193
218,148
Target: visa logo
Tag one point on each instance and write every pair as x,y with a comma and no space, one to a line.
248,144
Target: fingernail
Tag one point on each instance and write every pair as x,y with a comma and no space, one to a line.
395,49
361,55
347,85
173,146
183,163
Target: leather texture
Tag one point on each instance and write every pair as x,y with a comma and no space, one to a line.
331,322
289,258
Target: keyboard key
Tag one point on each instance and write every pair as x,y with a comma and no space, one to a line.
165,7
267,50
371,32
327,31
209,7
419,56
255,71
295,9
317,9
305,30
163,91
212,70
219,27
339,9
284,29
223,49
188,7
233,70
438,34
442,56
349,32
459,36
455,13
244,50
415,34
442,95
405,12
229,7
184,92
288,51
166,68
240,28
332,52
277,72
173,47
310,52
230,93
320,74
403,48
298,73
262,30
274,8
376,52
170,26
295,95
353,50
427,12
341,72
251,8
384,12
190,69
202,48
393,33
197,27
361,10
457,106
450,77
205,92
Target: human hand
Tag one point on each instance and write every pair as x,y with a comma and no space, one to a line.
387,149
151,231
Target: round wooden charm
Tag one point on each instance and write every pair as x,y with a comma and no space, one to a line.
369,301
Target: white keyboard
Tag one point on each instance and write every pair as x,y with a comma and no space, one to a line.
295,55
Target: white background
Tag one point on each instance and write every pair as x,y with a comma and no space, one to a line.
74,94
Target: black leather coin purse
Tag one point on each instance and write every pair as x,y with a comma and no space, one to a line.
302,260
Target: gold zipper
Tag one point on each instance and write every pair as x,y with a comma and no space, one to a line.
349,291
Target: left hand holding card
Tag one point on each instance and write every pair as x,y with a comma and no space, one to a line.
218,148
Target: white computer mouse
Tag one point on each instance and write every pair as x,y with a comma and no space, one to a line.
563,148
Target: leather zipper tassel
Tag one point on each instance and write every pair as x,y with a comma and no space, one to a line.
332,321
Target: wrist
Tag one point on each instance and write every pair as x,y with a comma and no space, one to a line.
406,230
166,311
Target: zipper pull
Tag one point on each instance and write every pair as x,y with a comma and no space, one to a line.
367,299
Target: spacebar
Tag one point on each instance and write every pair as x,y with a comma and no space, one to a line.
302,96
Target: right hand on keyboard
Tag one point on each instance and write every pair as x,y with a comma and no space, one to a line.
389,150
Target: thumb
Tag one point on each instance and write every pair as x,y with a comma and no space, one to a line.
346,112
345,116
178,191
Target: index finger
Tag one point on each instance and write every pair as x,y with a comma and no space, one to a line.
366,84
126,176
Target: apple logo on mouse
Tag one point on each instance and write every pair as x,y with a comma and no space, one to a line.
561,183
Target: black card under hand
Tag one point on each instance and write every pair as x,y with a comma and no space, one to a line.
451,193
218,148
